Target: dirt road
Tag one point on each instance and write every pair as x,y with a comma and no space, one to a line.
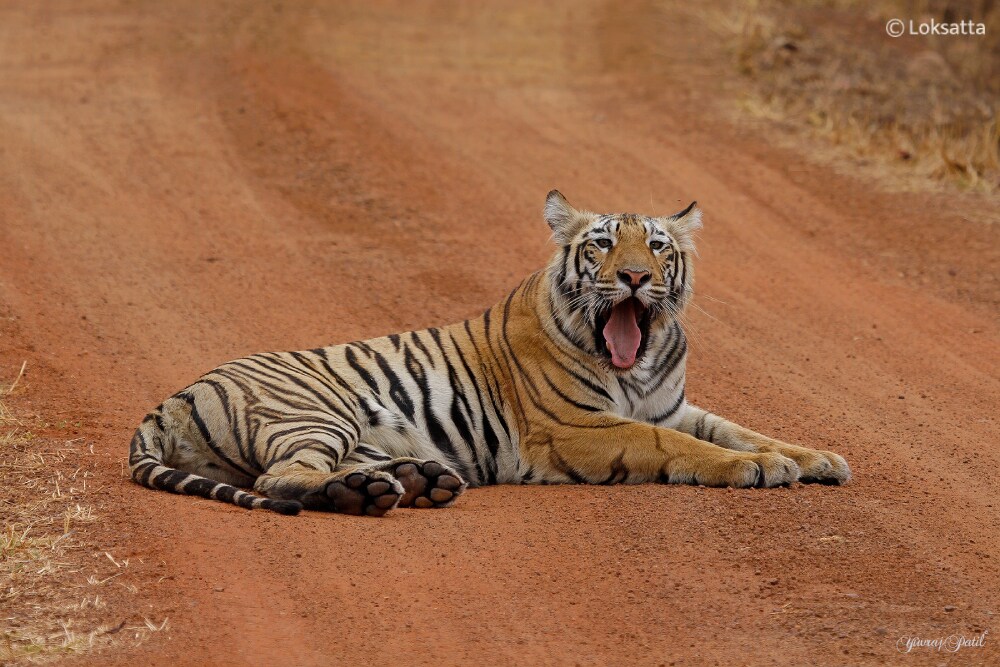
183,183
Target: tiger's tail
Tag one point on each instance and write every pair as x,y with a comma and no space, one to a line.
147,468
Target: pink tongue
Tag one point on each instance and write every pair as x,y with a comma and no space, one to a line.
622,334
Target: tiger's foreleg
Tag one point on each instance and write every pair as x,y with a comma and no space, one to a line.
309,470
816,465
608,449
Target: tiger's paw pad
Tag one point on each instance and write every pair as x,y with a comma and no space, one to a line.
428,484
371,493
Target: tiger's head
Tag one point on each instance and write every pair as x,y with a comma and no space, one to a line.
619,279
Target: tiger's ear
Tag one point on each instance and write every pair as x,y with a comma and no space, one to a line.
564,220
684,224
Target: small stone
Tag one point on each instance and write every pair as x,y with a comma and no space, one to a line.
950,607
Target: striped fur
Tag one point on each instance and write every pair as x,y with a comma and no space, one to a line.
526,393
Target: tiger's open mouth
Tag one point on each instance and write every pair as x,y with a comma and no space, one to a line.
622,331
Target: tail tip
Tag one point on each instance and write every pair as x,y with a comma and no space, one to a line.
287,507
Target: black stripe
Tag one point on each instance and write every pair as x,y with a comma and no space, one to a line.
169,479
371,416
489,434
201,487
666,360
699,425
571,336
560,394
245,447
597,389
137,448
562,466
533,393
682,260
203,429
397,392
563,266
371,453
262,373
495,402
325,361
458,418
352,359
323,398
712,427
669,411
420,346
142,472
434,427
618,470
307,442
496,395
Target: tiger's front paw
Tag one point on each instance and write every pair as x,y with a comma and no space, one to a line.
736,469
766,469
822,467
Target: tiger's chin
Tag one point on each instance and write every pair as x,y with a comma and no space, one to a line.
621,333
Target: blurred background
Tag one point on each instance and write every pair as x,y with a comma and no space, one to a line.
926,104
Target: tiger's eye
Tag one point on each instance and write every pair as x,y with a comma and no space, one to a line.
656,245
603,243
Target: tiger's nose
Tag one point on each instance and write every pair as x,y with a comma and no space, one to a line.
634,279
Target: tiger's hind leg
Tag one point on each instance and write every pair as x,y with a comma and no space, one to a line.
426,484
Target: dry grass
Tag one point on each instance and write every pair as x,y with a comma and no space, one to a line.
928,107
55,584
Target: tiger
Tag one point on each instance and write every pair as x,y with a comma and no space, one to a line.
576,376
